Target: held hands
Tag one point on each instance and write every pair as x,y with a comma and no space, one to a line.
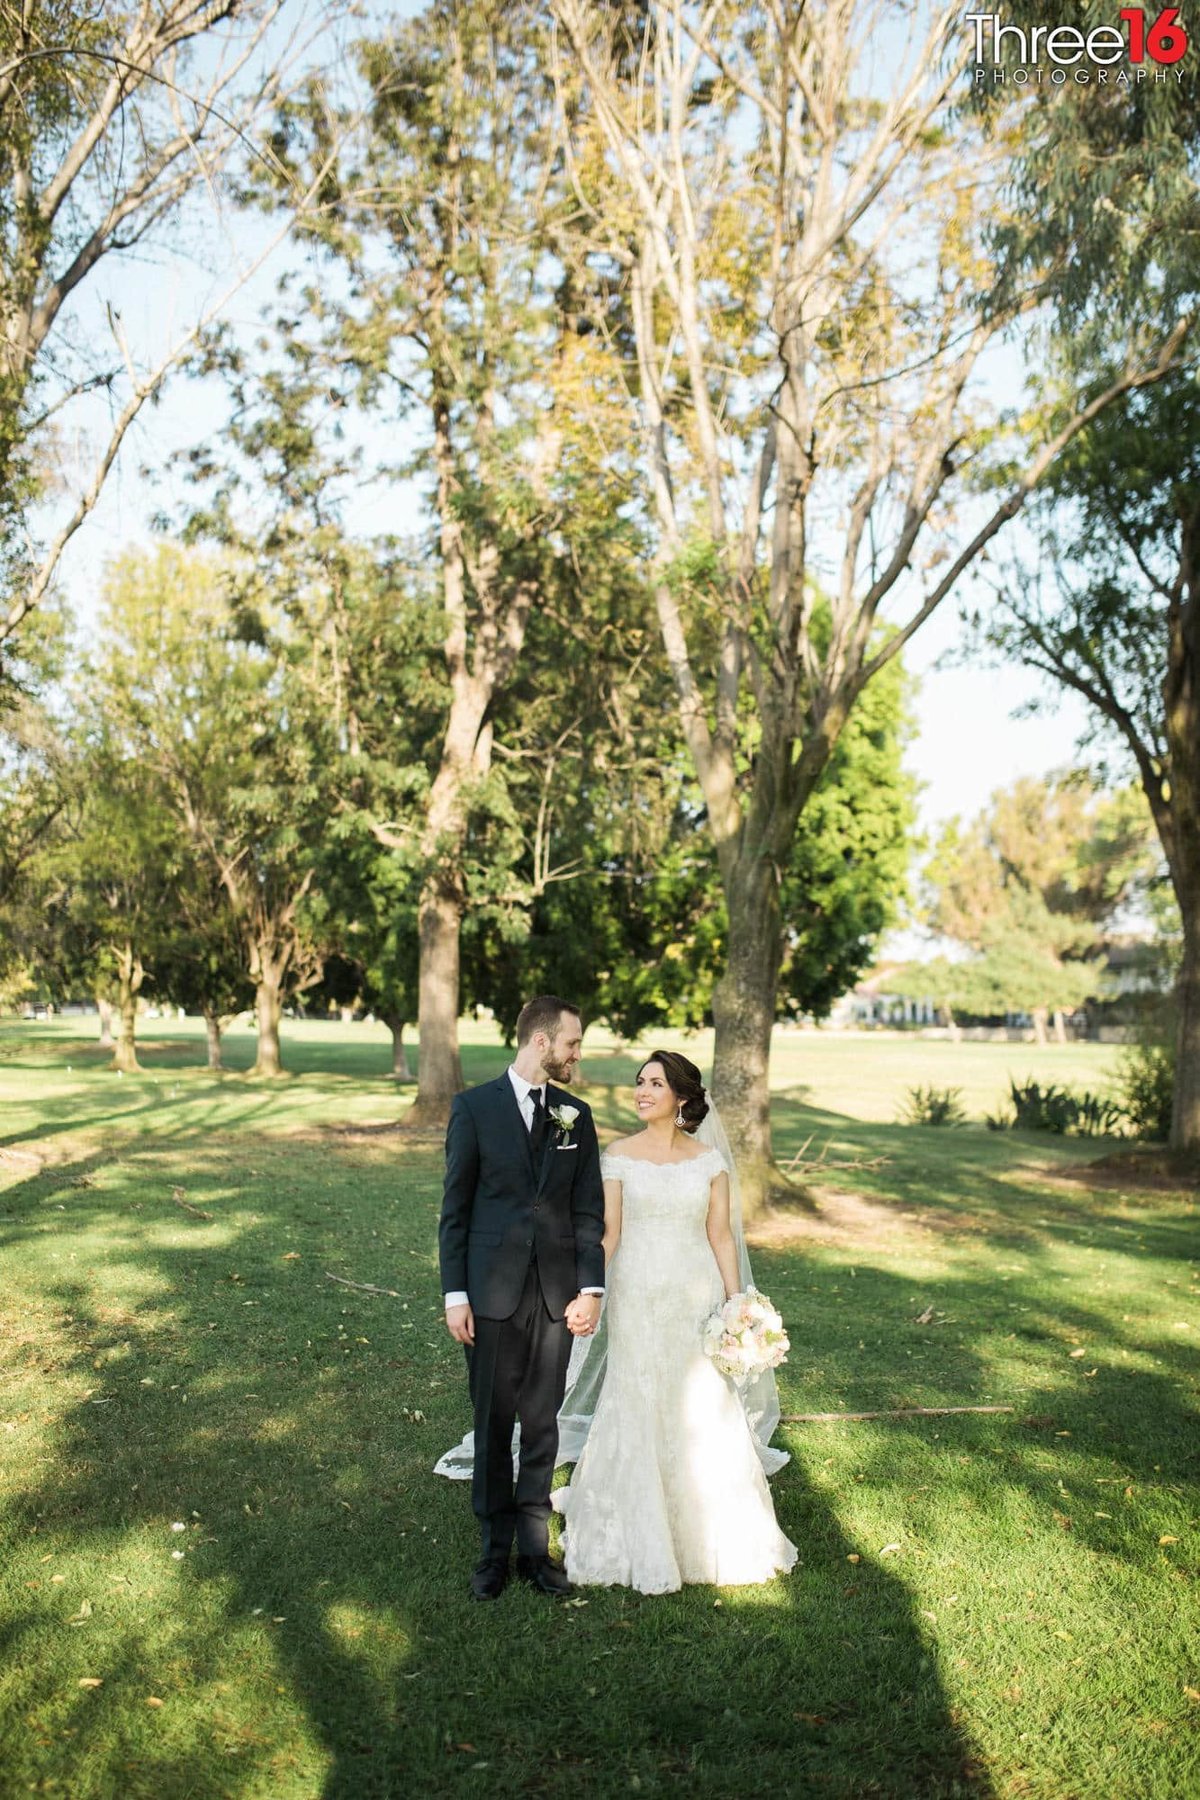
583,1315
460,1323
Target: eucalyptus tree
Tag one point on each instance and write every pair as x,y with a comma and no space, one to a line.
1112,613
441,311
794,200
112,118
1108,191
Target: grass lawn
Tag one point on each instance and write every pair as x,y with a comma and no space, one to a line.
228,1570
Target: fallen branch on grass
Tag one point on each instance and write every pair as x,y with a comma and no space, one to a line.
197,1212
799,1164
898,1412
363,1287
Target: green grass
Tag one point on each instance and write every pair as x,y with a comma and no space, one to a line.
1032,1632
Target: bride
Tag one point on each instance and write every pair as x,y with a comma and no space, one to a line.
671,1460
671,1484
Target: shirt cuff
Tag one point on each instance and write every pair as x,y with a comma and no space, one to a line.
591,1290
457,1298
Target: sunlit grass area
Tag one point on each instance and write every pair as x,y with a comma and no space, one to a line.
228,1570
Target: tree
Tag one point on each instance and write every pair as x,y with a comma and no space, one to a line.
201,963
1029,889
110,118
801,385
119,868
1116,619
439,226
220,694
630,826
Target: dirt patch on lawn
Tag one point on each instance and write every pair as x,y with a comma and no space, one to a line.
1143,1171
839,1218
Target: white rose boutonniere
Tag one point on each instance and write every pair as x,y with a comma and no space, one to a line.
564,1117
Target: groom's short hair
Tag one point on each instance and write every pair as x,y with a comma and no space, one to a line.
543,1014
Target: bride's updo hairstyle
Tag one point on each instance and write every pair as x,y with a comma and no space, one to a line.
683,1079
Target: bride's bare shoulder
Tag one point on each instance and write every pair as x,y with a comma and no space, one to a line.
620,1146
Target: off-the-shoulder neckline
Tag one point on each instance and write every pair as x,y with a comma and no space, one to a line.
645,1162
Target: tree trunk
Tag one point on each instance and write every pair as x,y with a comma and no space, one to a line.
744,1015
400,1068
104,1008
129,980
1060,1026
1185,1105
439,1065
268,1061
1039,1016
212,1034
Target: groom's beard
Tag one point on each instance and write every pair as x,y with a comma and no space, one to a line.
558,1071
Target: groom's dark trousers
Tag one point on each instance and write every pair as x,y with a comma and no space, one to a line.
521,1232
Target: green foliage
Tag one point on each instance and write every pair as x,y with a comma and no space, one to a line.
1145,1083
1058,1110
1028,888
933,1106
1103,191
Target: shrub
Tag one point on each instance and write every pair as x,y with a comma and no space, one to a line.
1099,1115
933,1106
1038,1108
1057,1109
1145,1083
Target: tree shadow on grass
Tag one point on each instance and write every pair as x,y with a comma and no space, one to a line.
315,1636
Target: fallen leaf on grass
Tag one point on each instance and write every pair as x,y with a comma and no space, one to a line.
1076,1353
811,1718
1192,1693
854,1557
153,1700
889,1549
91,1681
1168,1539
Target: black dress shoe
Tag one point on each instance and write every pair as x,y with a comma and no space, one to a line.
488,1580
545,1576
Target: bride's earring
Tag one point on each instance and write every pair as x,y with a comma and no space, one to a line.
679,1119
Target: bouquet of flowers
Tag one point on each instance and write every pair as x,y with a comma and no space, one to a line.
745,1336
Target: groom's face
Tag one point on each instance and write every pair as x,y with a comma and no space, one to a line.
564,1049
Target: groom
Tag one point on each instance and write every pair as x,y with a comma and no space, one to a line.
522,1270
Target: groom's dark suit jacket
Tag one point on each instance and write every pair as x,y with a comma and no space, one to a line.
499,1210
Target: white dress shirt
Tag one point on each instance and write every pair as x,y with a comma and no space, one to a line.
524,1090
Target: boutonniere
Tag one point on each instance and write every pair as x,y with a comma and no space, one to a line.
564,1117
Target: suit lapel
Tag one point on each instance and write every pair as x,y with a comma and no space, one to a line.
512,1112
554,1097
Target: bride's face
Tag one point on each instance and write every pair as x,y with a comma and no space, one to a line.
652,1097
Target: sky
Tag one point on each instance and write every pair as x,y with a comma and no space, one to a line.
970,738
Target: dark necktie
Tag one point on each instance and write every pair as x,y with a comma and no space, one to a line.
537,1131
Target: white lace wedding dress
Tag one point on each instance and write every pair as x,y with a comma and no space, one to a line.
670,1487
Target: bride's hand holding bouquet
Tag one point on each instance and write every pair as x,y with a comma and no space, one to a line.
745,1336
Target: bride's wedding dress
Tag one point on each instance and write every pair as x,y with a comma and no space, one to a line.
670,1487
